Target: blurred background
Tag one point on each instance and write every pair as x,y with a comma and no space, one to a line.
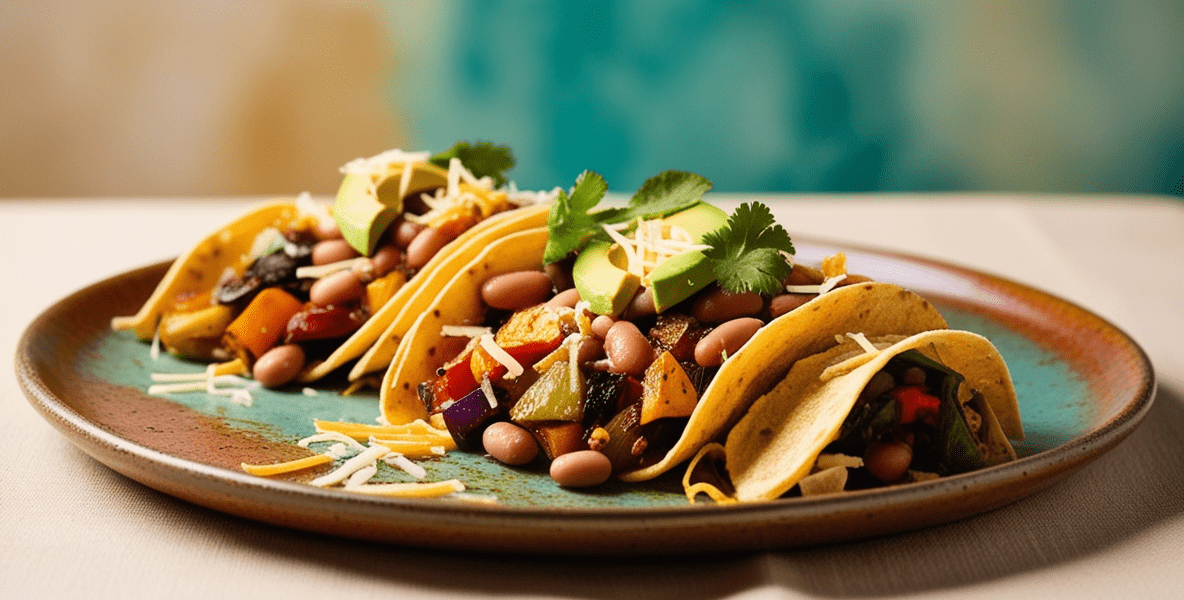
178,98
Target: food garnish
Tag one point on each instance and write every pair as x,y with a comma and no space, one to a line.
748,254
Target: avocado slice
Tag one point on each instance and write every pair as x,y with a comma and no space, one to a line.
364,216
677,278
600,276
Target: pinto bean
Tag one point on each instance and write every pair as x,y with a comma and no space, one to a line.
331,251
913,376
583,468
509,443
341,287
404,231
803,275
560,274
601,325
727,339
279,365
591,349
425,246
364,269
568,298
783,303
627,349
888,461
386,258
327,229
516,290
852,280
716,305
642,305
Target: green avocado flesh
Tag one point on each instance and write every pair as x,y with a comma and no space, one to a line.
363,217
600,275
603,282
676,279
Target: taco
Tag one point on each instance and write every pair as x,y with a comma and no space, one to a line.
616,361
319,290
871,411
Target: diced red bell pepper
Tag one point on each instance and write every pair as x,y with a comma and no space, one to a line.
323,322
916,404
455,383
528,336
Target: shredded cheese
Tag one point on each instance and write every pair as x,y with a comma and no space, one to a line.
831,283
331,436
497,353
863,342
411,490
487,390
154,350
651,243
361,476
319,271
373,453
398,460
470,331
287,467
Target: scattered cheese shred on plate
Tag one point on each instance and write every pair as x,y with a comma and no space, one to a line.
351,466
289,466
412,489
362,432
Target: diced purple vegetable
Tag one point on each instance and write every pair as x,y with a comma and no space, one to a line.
468,417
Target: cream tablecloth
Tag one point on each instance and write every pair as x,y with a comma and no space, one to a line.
71,528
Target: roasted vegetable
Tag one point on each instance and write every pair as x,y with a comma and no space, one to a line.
261,324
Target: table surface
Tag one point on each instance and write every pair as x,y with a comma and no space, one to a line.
73,528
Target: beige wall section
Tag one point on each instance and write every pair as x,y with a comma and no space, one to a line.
171,97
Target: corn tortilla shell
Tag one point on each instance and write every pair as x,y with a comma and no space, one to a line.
873,308
199,269
378,337
777,441
457,303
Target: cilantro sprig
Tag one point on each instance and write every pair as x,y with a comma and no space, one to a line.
746,253
573,222
482,159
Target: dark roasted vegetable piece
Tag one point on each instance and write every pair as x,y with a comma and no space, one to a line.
603,398
559,437
468,417
677,334
271,270
944,442
632,445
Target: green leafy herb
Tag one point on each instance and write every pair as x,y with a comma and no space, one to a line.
572,223
663,194
746,253
482,159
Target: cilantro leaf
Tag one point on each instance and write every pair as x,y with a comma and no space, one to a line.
665,193
569,221
482,159
745,253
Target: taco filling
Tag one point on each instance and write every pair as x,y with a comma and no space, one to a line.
612,345
311,280
869,413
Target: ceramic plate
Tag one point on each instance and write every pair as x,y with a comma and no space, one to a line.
1083,385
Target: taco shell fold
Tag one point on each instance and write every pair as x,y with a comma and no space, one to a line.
875,308
199,269
376,340
775,444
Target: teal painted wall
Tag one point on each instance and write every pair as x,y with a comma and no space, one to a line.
804,96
